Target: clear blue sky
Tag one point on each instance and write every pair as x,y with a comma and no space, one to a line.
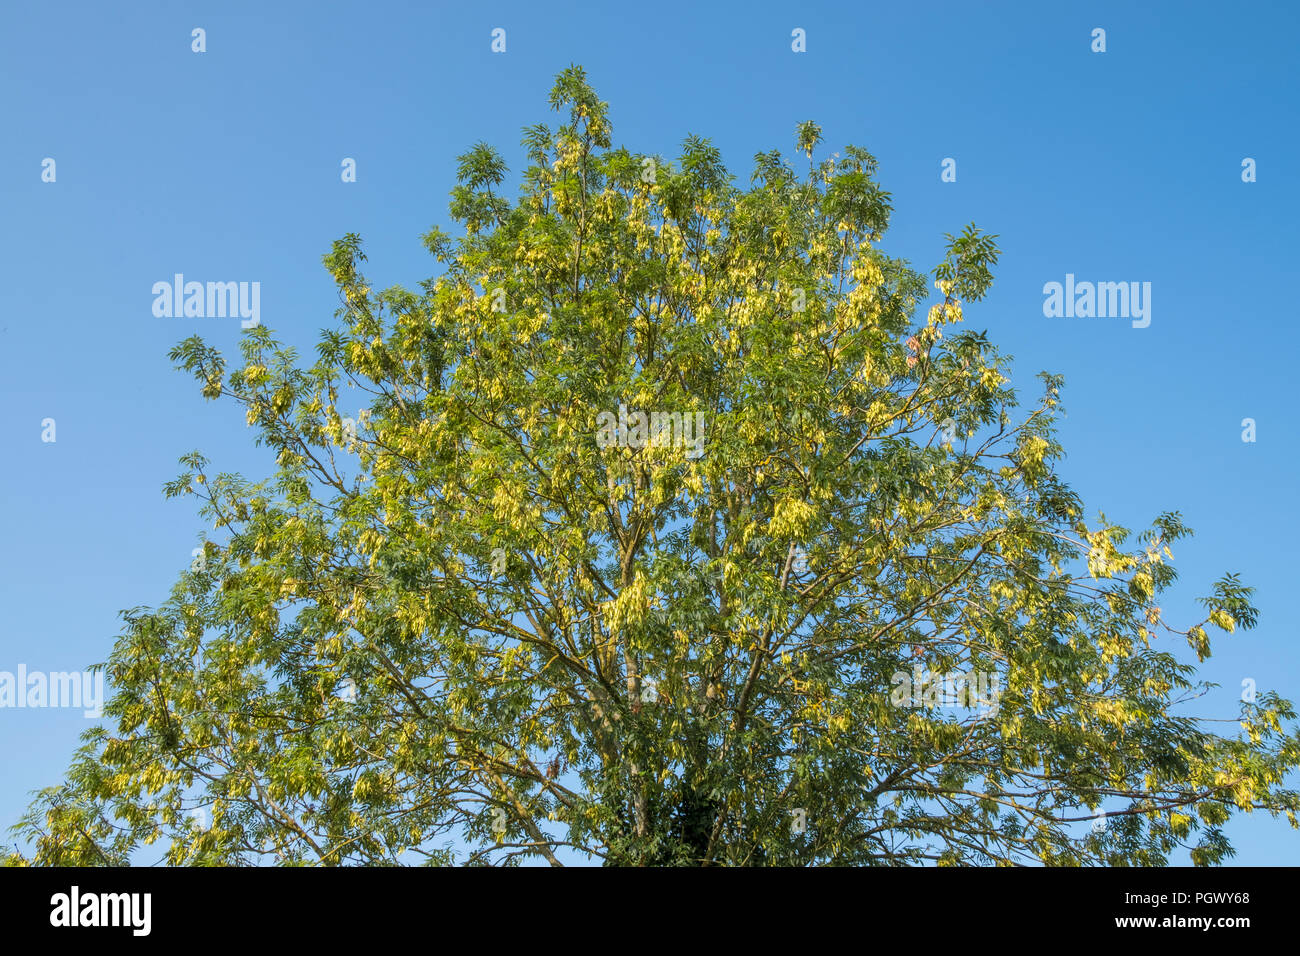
1122,166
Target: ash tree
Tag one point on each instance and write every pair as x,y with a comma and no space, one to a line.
499,615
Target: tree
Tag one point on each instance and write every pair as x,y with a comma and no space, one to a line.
669,535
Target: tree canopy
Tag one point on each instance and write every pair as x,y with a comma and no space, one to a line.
676,529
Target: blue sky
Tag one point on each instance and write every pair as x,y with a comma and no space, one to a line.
225,165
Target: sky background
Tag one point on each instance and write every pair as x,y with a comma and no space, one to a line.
225,166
